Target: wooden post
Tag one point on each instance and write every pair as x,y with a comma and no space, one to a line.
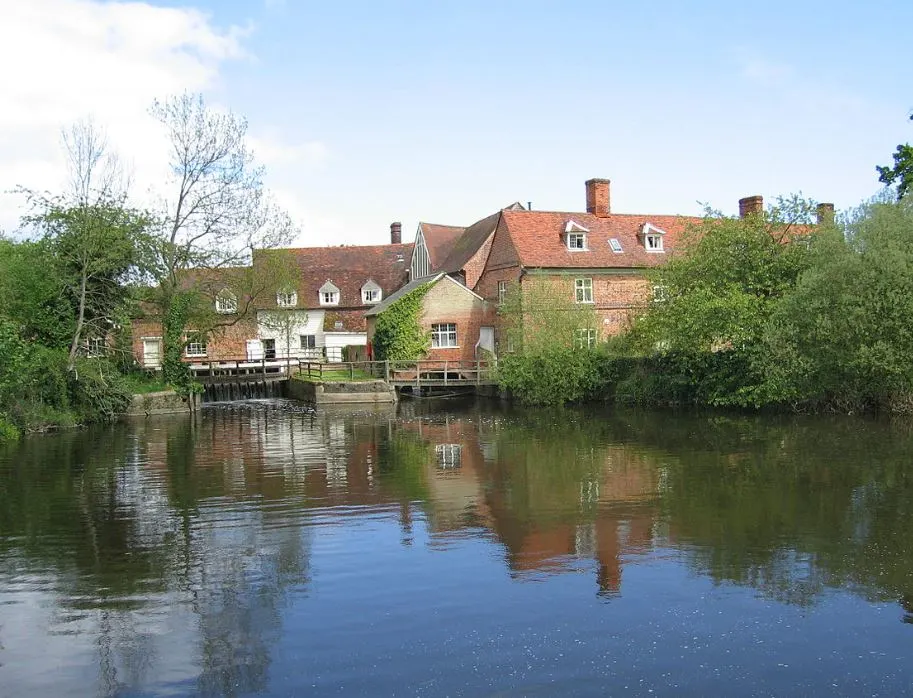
418,377
478,372
351,371
445,373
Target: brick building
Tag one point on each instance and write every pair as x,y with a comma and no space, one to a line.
316,314
594,257
460,322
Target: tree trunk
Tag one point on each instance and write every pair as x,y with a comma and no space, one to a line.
80,321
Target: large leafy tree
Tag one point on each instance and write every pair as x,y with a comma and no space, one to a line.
901,174
714,300
214,213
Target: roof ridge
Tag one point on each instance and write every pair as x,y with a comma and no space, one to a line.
609,215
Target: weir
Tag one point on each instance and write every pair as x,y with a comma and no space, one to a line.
242,390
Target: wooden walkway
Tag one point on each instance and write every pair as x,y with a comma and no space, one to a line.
416,374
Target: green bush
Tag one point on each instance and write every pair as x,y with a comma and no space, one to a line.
552,375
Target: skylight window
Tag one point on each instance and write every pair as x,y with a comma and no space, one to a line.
615,244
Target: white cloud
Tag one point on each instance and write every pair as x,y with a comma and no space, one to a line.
68,59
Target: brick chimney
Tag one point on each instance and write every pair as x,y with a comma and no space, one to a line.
598,199
396,233
825,213
750,205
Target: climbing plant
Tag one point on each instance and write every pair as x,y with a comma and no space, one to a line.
398,335
175,372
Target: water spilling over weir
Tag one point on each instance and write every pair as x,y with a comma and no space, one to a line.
242,390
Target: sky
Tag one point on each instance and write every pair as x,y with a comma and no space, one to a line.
368,112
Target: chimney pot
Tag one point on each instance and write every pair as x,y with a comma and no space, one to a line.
598,197
751,205
396,233
825,213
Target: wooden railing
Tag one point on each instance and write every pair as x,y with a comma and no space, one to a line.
424,372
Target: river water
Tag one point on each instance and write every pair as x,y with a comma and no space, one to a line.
458,549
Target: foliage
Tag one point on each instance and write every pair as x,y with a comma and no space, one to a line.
174,371
552,363
398,333
718,298
901,174
215,214
842,336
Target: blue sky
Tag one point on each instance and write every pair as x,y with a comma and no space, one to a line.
369,112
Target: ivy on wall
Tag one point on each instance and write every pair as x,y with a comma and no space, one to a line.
398,334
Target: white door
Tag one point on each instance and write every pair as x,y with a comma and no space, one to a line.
254,350
152,353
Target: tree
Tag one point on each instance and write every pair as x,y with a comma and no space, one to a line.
718,296
841,338
214,215
902,172
91,234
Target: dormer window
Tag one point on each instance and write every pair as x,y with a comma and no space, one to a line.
286,299
328,294
653,238
370,292
575,236
226,302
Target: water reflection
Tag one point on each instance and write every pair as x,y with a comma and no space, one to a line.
194,557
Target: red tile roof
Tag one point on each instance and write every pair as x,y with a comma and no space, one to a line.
348,267
439,239
539,238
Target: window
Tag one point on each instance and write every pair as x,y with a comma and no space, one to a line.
226,302
196,347
653,238
615,244
448,455
269,349
95,346
286,299
308,341
510,343
370,295
502,291
584,339
329,294
660,294
583,290
654,243
576,241
444,335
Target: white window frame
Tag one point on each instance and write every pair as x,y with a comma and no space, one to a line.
585,338
502,291
329,298
576,242
615,244
583,290
199,350
370,295
449,455
653,242
308,344
442,332
286,299
226,303
95,347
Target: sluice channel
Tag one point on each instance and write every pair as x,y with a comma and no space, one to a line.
242,390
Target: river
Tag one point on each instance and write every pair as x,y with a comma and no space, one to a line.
458,549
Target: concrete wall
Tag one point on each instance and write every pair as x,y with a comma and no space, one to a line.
166,402
368,392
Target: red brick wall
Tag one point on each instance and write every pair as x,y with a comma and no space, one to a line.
446,302
476,264
223,343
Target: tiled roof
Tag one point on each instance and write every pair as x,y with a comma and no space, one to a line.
344,321
468,244
439,239
348,268
539,238
408,288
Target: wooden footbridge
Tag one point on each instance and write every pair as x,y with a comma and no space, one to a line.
418,375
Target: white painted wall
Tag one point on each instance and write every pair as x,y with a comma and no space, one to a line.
300,322
335,341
